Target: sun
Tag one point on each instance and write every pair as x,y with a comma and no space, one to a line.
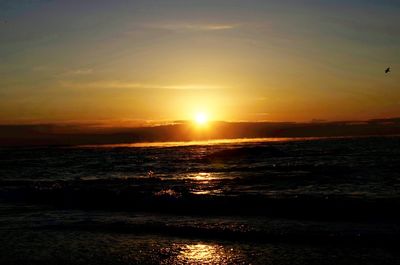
201,118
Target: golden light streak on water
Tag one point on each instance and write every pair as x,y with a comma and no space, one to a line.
203,254
202,177
206,142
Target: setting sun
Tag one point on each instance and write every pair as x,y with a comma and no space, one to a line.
201,118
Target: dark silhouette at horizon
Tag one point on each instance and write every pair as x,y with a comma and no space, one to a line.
52,134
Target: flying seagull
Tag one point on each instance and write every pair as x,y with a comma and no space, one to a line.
387,70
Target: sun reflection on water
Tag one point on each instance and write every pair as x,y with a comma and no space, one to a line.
205,183
203,254
202,177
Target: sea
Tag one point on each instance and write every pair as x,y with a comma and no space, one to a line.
241,201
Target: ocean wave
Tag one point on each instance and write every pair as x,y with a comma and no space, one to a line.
367,235
153,195
245,152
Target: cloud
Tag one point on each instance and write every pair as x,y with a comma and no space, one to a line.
83,71
191,87
191,27
133,85
262,114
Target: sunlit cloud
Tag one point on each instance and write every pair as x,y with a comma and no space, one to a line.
104,84
262,114
63,72
195,27
133,85
192,87
80,72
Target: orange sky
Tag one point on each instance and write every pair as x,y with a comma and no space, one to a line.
160,61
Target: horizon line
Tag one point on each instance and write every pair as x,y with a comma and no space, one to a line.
126,123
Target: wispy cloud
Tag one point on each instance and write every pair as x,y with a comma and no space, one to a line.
192,87
133,85
81,71
262,114
194,27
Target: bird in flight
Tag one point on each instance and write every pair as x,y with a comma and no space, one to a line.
387,70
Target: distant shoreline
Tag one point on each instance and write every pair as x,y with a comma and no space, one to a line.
80,135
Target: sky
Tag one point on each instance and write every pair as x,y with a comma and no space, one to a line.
234,60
